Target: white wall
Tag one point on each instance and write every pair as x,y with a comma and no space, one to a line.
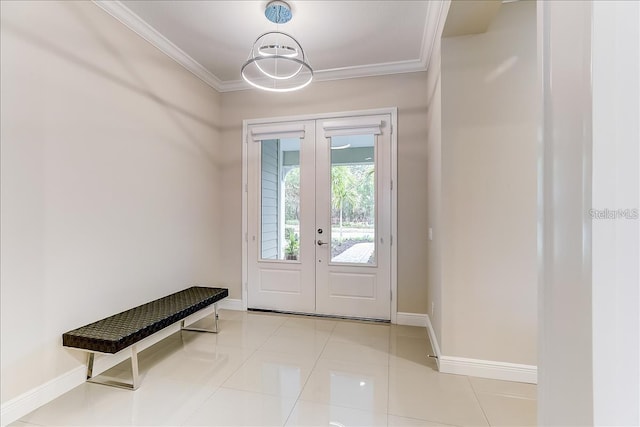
406,91
616,185
110,180
589,307
565,379
488,217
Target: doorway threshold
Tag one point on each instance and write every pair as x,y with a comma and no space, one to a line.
325,316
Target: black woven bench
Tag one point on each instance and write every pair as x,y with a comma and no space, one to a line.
124,330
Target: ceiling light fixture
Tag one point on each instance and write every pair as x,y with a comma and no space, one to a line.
277,62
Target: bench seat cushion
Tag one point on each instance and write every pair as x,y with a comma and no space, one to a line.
121,330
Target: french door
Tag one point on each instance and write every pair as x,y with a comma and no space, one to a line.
319,216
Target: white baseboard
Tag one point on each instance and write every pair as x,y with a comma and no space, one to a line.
411,319
481,368
489,369
31,400
230,304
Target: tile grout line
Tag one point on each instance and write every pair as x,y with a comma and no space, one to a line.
311,370
198,407
310,373
365,363
228,376
475,394
254,351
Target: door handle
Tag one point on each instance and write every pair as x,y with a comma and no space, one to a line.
320,243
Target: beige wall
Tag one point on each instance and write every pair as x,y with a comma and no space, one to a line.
406,91
110,180
489,119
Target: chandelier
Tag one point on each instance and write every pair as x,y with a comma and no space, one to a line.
277,62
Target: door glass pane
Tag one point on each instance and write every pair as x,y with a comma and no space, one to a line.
280,199
353,209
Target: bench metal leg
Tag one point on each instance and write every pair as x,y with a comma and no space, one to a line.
116,382
212,331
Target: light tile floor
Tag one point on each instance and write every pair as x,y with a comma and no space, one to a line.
275,370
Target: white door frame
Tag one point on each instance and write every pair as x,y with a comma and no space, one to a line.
393,112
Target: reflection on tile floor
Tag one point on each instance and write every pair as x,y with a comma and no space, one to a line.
276,370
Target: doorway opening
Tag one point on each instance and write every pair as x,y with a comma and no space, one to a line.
319,215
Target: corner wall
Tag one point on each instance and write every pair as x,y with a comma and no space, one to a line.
434,194
110,181
488,237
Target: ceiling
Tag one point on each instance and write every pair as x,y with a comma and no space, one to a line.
471,17
342,39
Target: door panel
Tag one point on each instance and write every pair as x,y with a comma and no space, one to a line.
353,273
352,285
282,218
282,281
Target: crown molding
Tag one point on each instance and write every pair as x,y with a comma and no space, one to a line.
153,36
434,23
436,17
369,70
399,67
